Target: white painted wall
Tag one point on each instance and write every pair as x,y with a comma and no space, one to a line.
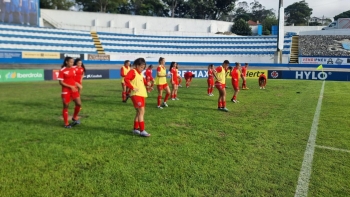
119,23
327,32
200,58
144,25
298,29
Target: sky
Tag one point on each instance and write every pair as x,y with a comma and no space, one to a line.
328,8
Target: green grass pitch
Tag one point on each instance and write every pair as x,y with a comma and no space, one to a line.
256,149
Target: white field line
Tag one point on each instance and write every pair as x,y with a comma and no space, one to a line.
305,172
331,148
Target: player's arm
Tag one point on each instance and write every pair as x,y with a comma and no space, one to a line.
122,72
159,72
127,80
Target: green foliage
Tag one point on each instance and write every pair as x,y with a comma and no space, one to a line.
268,23
298,13
111,6
315,24
343,15
241,27
56,4
259,12
266,32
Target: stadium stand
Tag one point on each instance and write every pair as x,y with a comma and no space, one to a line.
23,38
16,37
323,45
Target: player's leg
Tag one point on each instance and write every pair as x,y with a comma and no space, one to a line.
187,82
65,101
236,91
223,99
176,89
160,93
209,86
139,104
264,83
180,80
167,89
172,91
77,108
123,92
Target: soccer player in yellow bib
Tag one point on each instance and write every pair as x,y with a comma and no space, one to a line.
220,84
123,72
136,83
162,83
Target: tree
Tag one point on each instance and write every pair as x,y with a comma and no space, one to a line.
242,12
259,12
173,4
111,6
241,27
148,8
315,24
56,4
268,23
343,15
298,13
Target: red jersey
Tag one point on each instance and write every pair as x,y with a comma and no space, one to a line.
67,76
210,74
148,74
188,75
235,75
79,72
174,74
244,71
262,76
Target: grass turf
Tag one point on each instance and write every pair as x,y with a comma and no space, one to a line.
256,149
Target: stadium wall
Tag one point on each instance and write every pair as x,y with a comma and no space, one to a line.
21,75
143,25
28,57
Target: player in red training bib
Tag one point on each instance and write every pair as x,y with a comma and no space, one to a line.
220,84
174,81
235,81
70,91
79,71
149,78
210,80
123,72
179,77
136,83
188,77
262,81
244,76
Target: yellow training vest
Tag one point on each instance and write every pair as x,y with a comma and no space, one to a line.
161,80
125,72
221,76
137,82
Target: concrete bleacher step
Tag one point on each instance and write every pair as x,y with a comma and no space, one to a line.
294,54
97,42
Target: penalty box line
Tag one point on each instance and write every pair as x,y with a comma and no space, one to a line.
306,168
332,148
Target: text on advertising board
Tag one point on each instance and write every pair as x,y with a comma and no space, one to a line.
99,57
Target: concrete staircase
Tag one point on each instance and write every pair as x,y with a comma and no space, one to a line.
294,54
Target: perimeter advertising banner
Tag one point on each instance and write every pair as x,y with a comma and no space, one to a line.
310,75
325,60
22,12
21,75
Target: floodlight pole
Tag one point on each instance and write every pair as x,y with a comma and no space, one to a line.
280,36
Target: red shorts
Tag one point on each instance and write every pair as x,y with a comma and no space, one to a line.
176,82
220,86
210,82
138,101
235,86
162,87
67,96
